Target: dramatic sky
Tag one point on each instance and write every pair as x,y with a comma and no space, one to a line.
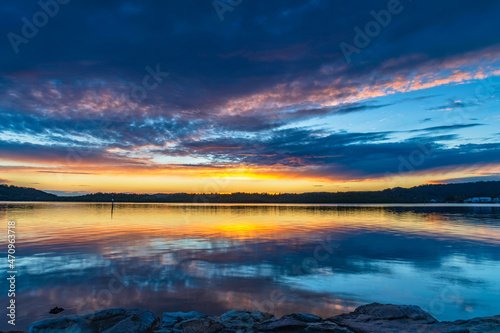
248,95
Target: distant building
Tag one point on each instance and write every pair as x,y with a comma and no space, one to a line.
480,200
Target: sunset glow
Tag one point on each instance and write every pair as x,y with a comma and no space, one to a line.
290,114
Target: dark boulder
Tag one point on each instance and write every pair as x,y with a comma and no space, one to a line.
390,318
118,320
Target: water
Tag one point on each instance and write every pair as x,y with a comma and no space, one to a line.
321,259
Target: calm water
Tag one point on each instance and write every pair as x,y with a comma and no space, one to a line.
319,259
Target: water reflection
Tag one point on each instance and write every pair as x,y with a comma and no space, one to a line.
286,258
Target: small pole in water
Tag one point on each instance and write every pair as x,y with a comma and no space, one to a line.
112,203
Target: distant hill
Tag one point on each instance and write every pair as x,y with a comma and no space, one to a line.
446,192
15,193
424,193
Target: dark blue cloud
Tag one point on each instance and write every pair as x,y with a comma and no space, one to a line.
481,178
452,105
445,127
235,87
269,41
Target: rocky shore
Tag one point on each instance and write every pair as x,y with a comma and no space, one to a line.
371,318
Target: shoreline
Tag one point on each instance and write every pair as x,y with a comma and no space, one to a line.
471,192
395,204
369,318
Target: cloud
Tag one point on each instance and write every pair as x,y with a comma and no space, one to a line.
342,155
478,178
333,110
295,152
4,181
65,172
453,105
66,193
419,98
445,128
62,155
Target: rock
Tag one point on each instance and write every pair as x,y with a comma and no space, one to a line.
391,311
243,319
172,318
479,325
389,318
371,318
56,310
307,318
282,324
118,320
200,325
326,326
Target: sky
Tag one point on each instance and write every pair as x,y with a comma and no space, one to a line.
248,96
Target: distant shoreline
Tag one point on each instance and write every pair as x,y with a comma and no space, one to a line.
485,192
394,204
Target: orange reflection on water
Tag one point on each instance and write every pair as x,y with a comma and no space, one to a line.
95,223
324,259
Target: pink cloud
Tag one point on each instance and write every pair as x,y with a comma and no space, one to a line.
339,88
